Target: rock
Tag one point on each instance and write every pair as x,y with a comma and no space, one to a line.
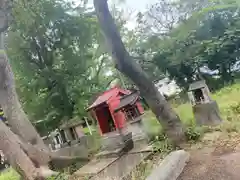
171,166
207,114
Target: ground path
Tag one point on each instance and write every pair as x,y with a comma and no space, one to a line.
218,160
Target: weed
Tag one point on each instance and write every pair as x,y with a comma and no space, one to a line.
162,144
9,174
60,176
235,108
193,133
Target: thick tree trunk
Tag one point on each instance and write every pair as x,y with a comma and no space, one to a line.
16,117
9,144
124,63
24,157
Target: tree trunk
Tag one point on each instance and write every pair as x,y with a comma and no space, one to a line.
9,101
9,144
124,63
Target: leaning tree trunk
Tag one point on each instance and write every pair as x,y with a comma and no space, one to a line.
9,101
169,120
9,144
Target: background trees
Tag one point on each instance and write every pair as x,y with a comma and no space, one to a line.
200,41
58,64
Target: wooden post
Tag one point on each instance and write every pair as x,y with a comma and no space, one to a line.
89,127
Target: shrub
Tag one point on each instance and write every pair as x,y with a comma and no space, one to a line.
60,176
162,144
193,133
235,108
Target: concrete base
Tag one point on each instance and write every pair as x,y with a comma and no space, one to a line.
128,145
122,167
207,114
115,140
137,130
171,167
78,150
114,168
94,167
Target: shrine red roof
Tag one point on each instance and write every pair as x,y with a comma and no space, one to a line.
106,96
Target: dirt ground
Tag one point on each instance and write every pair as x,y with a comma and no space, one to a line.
217,159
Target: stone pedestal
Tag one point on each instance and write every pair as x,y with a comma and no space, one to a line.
118,142
115,144
115,140
136,128
207,113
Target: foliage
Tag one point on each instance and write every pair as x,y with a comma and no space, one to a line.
9,174
61,176
162,144
56,59
193,134
200,41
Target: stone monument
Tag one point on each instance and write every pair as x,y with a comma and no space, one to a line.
205,110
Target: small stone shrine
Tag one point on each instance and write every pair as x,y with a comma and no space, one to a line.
68,134
205,110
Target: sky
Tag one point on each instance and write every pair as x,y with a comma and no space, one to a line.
133,6
138,5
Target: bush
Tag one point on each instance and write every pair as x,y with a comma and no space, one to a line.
193,133
235,108
162,144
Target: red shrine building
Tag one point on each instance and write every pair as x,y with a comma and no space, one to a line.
118,109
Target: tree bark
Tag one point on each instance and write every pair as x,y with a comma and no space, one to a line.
9,144
169,120
9,101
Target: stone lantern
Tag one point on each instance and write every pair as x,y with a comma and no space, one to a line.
205,110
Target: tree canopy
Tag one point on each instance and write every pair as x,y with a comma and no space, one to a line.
198,42
54,51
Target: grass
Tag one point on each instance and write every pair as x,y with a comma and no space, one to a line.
9,174
228,100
